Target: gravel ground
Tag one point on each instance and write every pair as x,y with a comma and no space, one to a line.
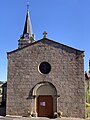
27,118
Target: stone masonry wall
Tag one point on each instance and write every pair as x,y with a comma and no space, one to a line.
67,75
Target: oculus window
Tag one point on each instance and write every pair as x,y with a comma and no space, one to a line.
45,67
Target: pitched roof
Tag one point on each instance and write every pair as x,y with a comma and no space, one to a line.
41,40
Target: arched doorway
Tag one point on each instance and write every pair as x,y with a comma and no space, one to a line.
45,99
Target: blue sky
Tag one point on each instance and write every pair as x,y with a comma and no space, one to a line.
66,21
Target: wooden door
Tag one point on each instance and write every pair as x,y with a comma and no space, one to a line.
45,106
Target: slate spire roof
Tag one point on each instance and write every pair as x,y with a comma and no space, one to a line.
27,32
27,37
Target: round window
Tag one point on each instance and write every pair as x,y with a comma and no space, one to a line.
45,67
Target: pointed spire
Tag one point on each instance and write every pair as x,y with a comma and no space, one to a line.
27,33
27,37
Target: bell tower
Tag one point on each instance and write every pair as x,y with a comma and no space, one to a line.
27,37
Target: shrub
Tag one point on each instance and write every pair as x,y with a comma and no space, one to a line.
87,104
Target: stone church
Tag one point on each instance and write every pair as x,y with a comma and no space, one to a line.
45,77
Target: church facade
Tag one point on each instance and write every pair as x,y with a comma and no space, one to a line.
45,77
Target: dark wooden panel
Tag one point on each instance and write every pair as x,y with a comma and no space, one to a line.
45,106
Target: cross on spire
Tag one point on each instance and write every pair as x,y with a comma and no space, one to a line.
27,6
44,33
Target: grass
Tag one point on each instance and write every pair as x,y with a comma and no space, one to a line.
88,112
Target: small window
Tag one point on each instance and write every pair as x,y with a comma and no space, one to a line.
45,67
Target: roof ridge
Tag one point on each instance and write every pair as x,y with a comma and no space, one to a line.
43,39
